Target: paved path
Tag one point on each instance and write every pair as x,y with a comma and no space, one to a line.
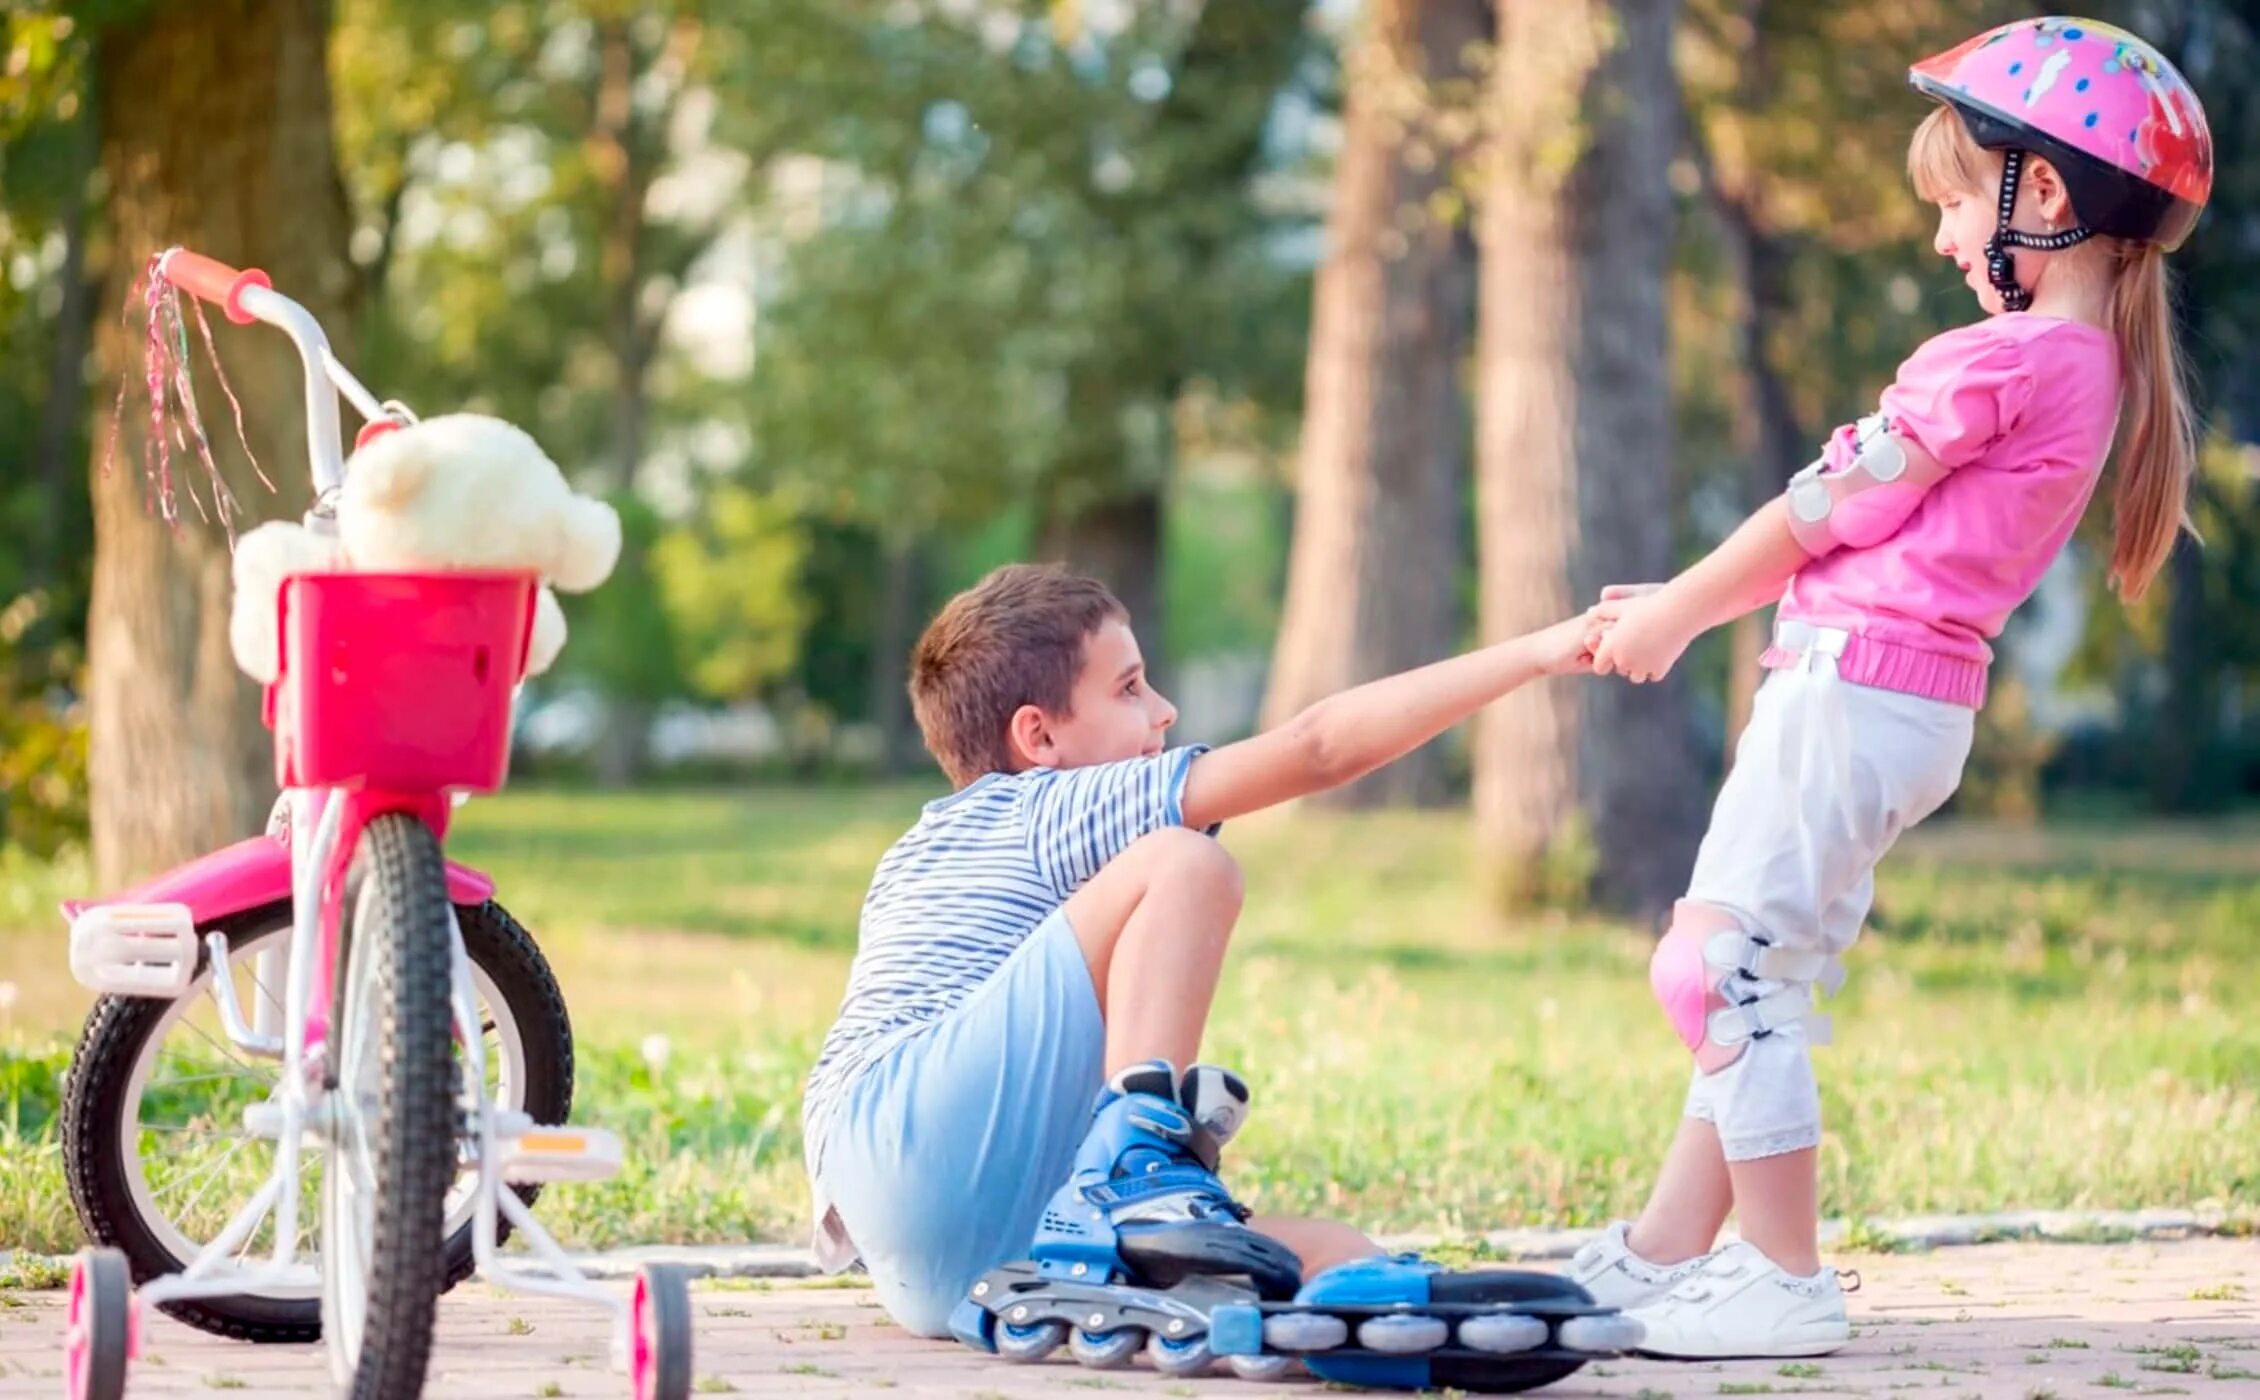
2018,1321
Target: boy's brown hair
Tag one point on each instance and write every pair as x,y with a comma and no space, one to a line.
1015,638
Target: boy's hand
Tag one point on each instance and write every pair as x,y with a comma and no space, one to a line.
1642,633
1565,648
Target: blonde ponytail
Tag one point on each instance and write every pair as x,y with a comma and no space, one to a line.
2158,450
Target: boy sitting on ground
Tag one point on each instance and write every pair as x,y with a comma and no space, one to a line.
1051,933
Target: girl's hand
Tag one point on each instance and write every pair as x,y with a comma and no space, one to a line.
1600,617
1642,634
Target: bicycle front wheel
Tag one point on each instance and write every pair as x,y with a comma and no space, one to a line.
392,1102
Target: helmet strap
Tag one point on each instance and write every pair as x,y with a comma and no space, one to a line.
2000,268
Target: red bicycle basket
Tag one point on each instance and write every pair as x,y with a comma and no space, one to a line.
399,682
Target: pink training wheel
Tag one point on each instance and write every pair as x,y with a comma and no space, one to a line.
98,1327
659,1338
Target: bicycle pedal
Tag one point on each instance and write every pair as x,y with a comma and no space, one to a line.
560,1154
134,950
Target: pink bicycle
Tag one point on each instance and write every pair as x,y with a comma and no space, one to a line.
407,1056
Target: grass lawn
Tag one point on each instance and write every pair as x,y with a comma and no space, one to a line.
2057,1019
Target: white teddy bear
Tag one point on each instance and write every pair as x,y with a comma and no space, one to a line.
457,492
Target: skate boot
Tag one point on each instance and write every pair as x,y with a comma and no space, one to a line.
1143,1241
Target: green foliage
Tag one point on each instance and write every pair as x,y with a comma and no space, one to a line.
1023,243
2052,1018
623,639
2176,662
813,281
731,584
43,171
1226,548
42,736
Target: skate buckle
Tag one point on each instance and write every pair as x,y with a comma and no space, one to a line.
560,1154
134,950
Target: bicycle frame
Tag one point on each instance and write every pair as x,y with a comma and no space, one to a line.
324,825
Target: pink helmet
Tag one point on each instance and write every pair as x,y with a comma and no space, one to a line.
2119,123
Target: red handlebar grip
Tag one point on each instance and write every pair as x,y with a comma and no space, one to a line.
213,281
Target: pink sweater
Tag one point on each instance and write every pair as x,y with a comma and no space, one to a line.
2021,410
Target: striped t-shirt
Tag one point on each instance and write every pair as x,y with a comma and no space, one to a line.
965,886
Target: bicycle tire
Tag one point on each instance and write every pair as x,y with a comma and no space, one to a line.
117,1032
393,988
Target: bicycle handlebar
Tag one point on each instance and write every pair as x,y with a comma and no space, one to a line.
212,280
247,295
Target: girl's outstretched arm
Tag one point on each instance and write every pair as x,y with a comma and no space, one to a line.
1646,632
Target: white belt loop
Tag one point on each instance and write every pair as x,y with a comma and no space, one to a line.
1809,642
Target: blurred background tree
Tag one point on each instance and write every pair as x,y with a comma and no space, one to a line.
1334,336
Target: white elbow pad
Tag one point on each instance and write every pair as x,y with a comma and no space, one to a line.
1826,509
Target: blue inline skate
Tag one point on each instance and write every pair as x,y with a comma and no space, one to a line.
1142,1242
1144,1249
1409,1324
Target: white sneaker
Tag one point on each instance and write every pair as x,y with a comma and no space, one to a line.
1607,1268
1740,1303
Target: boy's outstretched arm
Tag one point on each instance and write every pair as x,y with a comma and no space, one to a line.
1349,734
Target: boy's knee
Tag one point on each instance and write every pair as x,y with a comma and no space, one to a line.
1184,854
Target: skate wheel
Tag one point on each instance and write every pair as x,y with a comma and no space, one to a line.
659,1343
1403,1334
98,1326
1181,1359
1023,1343
1304,1332
1605,1334
1503,1333
1104,1351
1261,1368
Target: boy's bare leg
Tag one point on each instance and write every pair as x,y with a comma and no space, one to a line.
1153,924
1320,1244
1692,1196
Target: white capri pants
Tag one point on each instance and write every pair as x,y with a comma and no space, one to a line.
1825,777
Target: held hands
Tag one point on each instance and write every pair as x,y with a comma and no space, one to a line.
1565,649
1635,631
1632,632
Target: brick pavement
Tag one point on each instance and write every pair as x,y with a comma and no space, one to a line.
2015,1321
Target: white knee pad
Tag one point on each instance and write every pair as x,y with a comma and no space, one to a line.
1722,985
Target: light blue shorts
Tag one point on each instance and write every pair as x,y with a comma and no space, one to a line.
946,1149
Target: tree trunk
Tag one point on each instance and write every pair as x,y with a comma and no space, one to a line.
1373,580
1104,503
224,147
625,155
1768,435
1100,511
1116,540
1573,445
1773,442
